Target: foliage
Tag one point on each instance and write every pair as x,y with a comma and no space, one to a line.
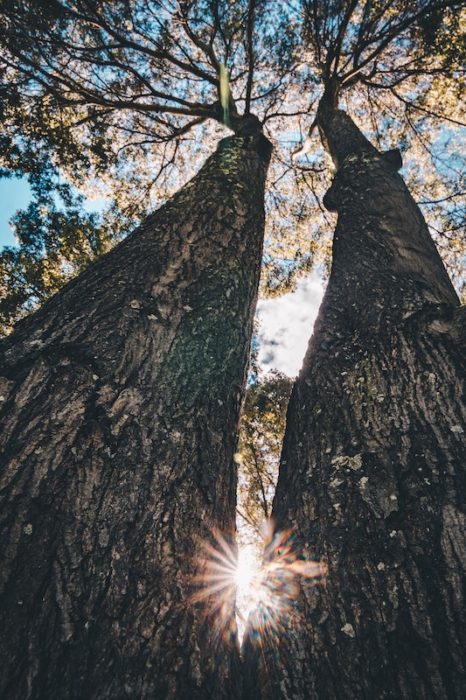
261,435
57,239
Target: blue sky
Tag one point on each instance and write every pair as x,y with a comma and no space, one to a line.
14,194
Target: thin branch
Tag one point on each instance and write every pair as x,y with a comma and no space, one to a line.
443,199
390,36
426,111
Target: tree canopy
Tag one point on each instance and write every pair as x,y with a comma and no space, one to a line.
126,98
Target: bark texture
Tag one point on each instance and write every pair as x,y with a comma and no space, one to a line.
373,474
119,406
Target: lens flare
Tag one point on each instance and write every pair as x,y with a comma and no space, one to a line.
215,584
262,593
284,568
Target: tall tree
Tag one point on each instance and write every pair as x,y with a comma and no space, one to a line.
372,479
401,69
120,397
120,402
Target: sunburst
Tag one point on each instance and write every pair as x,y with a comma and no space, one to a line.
262,592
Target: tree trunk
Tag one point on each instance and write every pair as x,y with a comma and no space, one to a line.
120,404
372,477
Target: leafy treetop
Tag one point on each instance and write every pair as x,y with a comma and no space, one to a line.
125,97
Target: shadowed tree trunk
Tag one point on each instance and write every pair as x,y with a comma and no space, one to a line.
120,404
372,477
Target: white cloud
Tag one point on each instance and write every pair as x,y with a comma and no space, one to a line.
286,325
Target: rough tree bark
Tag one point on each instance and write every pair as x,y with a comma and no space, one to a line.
120,403
372,476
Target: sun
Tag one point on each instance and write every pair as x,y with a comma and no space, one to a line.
247,568
259,586
248,581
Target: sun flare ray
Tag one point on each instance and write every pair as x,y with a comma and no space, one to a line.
260,592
